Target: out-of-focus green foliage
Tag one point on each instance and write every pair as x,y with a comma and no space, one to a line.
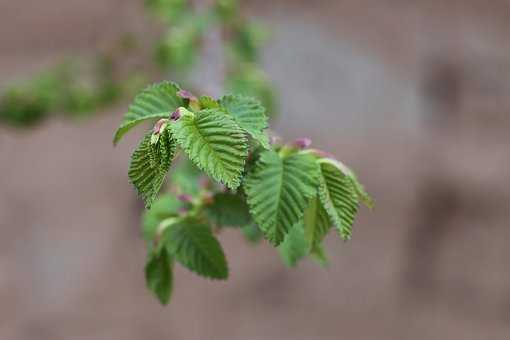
66,90
179,49
251,81
168,10
72,89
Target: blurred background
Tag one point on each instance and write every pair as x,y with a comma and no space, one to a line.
413,95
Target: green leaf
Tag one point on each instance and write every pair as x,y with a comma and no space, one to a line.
207,102
316,223
363,196
194,246
319,255
338,196
229,210
278,190
164,207
186,177
150,163
252,233
294,247
158,275
156,101
249,114
215,143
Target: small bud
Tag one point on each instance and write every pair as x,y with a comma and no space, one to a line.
186,95
176,114
183,211
158,126
185,198
302,143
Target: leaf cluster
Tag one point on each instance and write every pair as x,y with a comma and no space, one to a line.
229,175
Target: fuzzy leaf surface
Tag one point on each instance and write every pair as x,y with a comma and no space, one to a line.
249,114
156,101
150,164
363,195
207,102
338,196
194,246
278,190
215,143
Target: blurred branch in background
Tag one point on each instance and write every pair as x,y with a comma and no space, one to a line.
78,87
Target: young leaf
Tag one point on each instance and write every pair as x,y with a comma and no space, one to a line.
150,163
194,246
158,275
156,101
249,114
278,190
319,255
164,207
316,223
207,102
186,177
338,196
229,210
363,196
215,143
294,247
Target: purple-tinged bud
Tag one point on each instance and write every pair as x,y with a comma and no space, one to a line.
186,95
158,126
302,143
185,198
176,114
183,210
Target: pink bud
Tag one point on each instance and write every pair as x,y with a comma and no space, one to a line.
303,143
158,125
185,198
186,95
176,114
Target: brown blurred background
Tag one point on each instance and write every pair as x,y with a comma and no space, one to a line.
414,95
